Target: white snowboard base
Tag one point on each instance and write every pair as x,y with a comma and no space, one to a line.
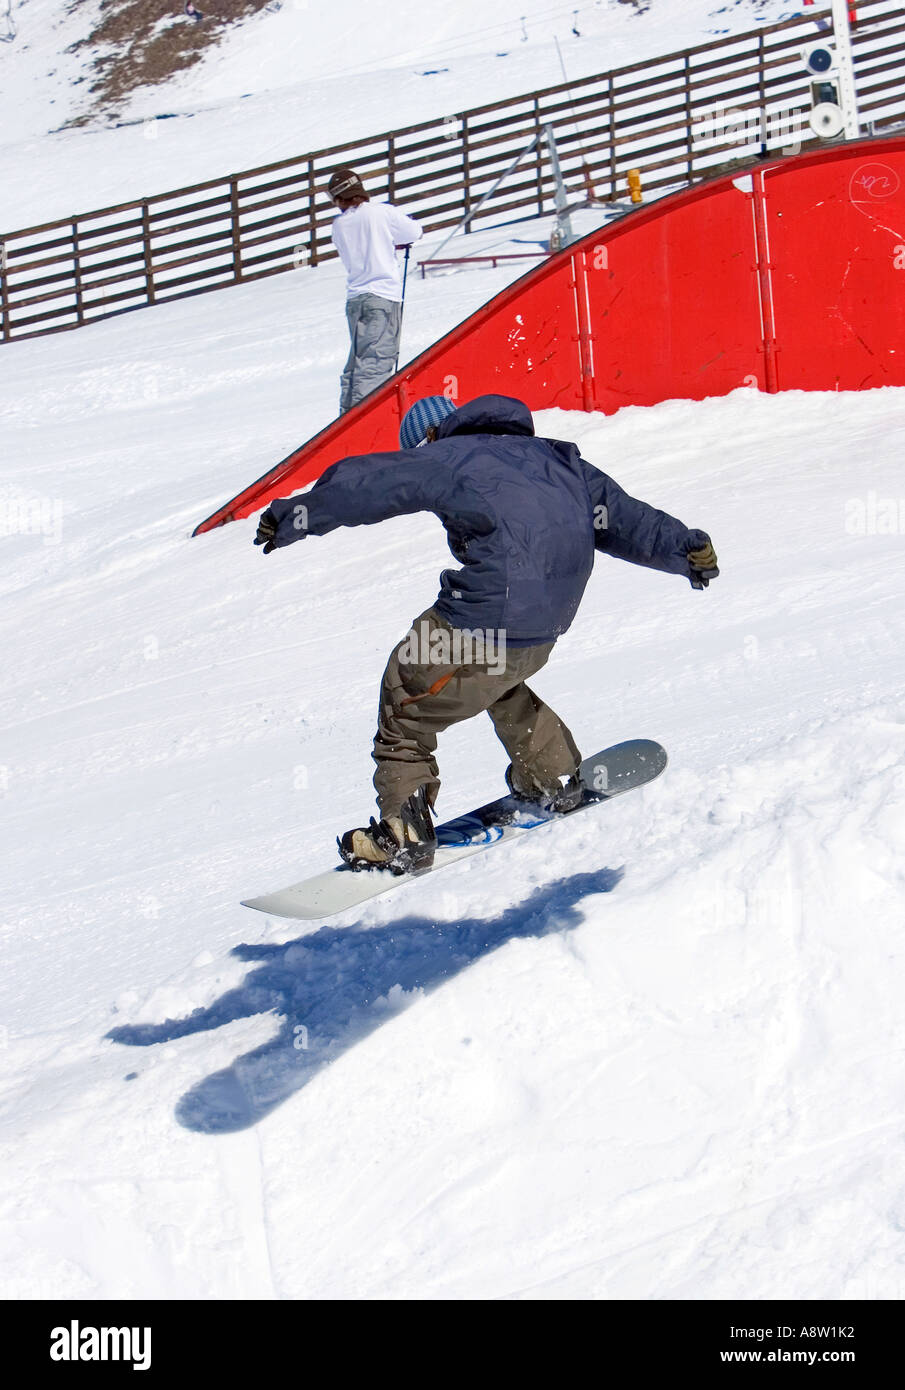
606,775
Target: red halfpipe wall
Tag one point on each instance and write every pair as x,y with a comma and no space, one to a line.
788,276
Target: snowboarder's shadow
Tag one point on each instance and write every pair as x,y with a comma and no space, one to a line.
331,990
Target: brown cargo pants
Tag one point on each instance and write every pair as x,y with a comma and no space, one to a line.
438,676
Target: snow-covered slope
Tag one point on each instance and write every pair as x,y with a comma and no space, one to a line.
653,1054
300,77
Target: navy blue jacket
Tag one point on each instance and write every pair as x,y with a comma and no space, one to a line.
523,517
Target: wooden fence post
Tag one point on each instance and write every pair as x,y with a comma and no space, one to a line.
612,121
762,92
148,252
689,117
466,173
4,294
312,215
77,272
236,228
539,158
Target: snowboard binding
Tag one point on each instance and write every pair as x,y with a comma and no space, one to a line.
403,844
554,801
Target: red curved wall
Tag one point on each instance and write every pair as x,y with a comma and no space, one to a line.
789,276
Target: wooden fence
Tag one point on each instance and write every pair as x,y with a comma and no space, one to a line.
676,118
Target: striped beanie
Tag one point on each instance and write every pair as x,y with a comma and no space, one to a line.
430,410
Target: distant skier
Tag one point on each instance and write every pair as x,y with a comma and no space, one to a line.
192,12
523,517
367,235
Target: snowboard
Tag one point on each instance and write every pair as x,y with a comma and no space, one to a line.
607,774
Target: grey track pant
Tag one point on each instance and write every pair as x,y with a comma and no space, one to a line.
374,328
419,699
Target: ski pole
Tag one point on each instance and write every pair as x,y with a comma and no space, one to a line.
405,276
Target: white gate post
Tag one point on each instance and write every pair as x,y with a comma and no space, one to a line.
847,90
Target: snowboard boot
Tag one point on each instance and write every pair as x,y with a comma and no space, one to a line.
404,844
564,796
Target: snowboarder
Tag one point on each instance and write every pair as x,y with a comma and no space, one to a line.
523,516
367,236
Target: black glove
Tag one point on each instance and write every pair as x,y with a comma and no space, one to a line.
703,565
267,529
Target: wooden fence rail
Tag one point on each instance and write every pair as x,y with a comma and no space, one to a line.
676,118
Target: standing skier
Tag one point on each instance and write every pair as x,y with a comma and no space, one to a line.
523,517
367,235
